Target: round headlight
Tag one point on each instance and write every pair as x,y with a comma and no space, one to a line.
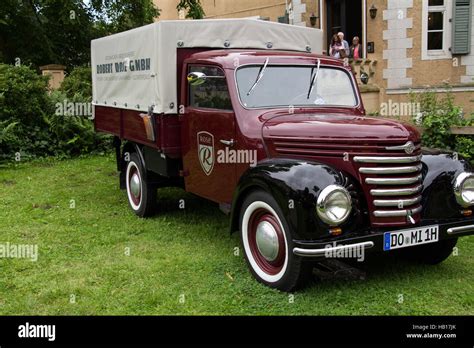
464,189
334,205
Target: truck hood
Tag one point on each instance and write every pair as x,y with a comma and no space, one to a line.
336,127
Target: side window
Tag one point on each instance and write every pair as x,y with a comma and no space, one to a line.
213,93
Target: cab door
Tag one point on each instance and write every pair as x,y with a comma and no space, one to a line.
208,134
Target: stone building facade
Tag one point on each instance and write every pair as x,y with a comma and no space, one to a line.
409,45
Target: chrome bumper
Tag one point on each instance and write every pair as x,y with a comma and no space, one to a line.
460,229
340,248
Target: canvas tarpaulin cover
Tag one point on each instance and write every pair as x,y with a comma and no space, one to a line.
136,69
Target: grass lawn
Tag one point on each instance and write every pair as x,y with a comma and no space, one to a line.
98,258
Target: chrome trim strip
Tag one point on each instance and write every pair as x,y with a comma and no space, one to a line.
390,170
396,213
322,252
461,229
384,159
393,181
409,147
396,202
396,192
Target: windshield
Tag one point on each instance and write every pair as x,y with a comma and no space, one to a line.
289,85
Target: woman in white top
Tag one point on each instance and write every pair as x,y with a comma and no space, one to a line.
336,47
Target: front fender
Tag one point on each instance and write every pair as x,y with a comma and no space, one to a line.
440,171
295,185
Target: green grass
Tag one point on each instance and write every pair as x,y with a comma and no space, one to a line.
82,252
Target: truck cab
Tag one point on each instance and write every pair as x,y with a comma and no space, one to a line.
280,141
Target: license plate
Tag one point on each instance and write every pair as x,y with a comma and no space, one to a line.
411,237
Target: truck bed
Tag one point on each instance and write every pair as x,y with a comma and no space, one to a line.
128,124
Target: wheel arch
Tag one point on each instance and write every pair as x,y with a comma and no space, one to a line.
290,179
241,193
440,169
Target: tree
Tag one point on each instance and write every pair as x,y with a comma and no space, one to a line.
114,16
40,32
193,7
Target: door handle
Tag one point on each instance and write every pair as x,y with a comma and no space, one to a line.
230,142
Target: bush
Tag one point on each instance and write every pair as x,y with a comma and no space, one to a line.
438,115
79,81
35,123
465,147
464,144
75,131
24,108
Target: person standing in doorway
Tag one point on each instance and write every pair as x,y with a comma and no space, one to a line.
344,43
336,49
356,49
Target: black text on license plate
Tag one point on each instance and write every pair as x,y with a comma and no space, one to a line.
412,237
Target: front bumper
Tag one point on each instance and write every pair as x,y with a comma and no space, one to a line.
374,241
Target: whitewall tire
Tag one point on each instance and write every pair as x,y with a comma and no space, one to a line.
140,193
268,245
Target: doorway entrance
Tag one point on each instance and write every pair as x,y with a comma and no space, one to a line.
345,16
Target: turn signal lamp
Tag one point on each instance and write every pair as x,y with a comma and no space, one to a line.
337,231
467,212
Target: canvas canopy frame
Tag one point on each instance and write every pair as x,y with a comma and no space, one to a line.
136,69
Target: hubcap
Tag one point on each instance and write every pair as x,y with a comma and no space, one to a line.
267,241
135,185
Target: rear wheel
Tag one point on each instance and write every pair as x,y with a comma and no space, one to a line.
268,245
141,194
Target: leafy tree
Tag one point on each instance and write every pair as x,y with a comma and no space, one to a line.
193,7
40,32
45,31
114,16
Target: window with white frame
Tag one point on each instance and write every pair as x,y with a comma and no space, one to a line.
436,29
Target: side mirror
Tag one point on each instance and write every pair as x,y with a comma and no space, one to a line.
364,77
196,78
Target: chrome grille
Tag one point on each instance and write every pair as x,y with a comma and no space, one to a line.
390,178
393,176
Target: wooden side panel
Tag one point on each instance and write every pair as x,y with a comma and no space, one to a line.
128,125
133,128
107,120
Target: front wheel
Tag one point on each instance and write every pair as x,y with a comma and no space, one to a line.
268,245
141,194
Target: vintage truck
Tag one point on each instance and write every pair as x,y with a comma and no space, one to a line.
246,114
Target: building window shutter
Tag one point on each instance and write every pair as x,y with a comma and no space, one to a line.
462,18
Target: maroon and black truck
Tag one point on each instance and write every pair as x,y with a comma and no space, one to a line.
246,114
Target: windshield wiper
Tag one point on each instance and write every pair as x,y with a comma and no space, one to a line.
313,78
259,76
